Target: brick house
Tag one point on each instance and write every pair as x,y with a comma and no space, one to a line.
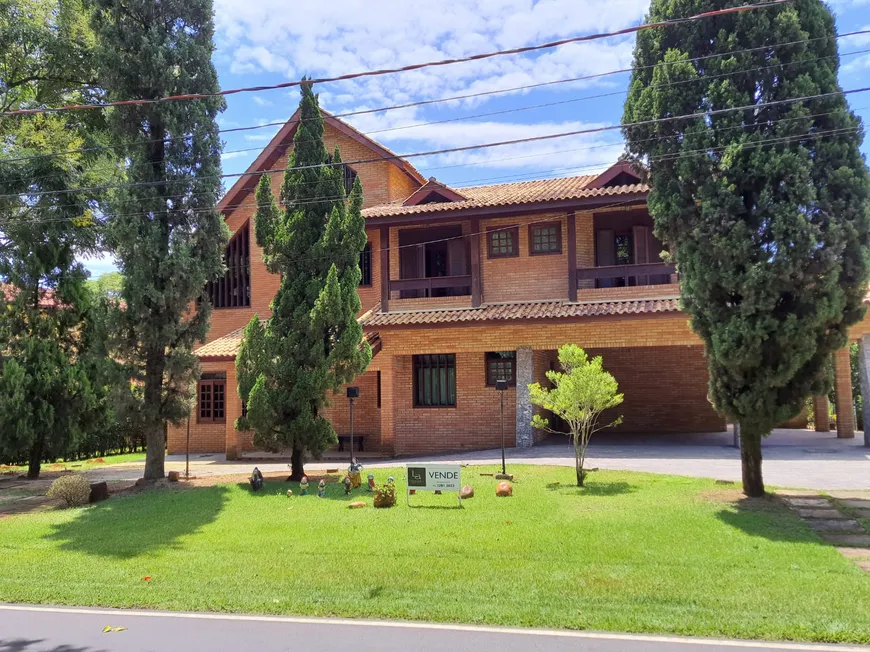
464,286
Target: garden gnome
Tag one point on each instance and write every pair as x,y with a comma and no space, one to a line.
256,479
321,489
289,493
371,482
346,485
354,474
303,486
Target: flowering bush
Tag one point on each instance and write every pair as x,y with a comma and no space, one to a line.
385,494
73,489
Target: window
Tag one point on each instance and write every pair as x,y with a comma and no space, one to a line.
365,265
349,178
545,238
212,399
501,365
234,289
503,242
435,380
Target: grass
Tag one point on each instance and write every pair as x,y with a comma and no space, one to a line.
631,552
79,465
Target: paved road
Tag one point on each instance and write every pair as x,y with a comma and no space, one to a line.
792,458
44,629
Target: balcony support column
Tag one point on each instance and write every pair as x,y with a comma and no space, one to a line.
475,263
572,257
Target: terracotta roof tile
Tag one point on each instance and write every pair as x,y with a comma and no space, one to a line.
47,297
510,311
229,344
511,194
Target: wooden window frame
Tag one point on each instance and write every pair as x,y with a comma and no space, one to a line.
545,225
490,380
515,230
211,385
416,363
233,289
366,252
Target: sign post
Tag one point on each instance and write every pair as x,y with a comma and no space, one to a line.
434,477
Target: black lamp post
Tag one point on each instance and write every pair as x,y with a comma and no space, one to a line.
501,386
352,393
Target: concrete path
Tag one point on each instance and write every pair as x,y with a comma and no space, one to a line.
44,629
792,458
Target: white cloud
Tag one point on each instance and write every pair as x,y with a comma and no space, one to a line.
254,58
230,155
261,101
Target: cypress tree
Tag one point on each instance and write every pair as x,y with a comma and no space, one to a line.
312,343
166,233
764,210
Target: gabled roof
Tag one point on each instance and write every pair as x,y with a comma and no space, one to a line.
433,191
279,144
619,174
513,195
47,296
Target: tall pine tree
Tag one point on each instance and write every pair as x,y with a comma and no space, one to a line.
764,210
167,235
312,343
50,397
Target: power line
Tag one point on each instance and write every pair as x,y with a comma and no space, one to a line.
468,96
465,148
418,66
317,200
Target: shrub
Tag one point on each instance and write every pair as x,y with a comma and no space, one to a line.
73,489
385,494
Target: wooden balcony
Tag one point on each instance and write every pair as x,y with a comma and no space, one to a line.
461,285
631,275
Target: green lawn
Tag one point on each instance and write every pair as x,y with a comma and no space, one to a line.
80,465
632,552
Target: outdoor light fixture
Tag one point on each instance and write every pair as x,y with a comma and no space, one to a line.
352,393
501,386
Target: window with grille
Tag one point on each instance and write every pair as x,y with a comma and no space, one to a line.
435,380
365,265
234,289
501,365
545,238
503,242
212,401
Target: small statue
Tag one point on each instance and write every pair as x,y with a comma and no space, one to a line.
289,493
321,489
346,483
371,482
354,474
303,486
256,479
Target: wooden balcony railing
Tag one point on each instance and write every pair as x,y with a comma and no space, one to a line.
640,273
462,283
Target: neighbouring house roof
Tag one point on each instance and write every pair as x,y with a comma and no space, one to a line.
276,148
525,311
227,347
47,297
435,191
512,195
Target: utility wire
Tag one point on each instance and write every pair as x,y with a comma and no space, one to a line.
417,66
468,96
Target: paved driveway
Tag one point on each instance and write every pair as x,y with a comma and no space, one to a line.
792,458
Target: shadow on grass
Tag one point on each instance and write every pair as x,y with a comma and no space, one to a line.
594,488
36,645
767,518
129,526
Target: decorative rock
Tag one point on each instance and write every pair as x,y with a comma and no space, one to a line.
856,540
466,492
818,513
835,525
99,491
504,489
356,504
289,493
173,476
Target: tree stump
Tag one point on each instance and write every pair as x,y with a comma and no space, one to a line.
99,491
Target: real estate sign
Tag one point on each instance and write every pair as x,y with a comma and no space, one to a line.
434,477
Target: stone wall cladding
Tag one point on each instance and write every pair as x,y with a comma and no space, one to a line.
525,434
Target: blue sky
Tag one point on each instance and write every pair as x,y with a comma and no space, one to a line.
267,42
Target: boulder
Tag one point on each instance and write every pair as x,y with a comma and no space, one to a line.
503,489
466,492
173,476
356,504
99,491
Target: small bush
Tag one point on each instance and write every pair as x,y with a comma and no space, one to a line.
385,494
73,489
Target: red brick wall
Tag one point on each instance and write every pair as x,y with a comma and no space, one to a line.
366,413
665,389
473,424
207,437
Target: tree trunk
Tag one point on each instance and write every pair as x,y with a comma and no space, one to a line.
296,465
750,458
35,461
578,465
155,445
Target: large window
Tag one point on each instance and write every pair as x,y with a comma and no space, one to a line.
234,289
211,399
545,238
365,265
349,177
503,242
435,380
501,365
